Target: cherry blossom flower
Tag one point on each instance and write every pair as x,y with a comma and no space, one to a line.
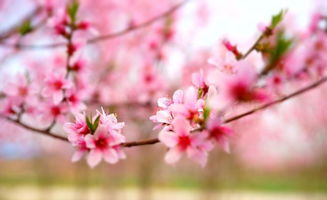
10,107
76,130
20,89
101,146
219,133
53,112
103,142
198,80
179,140
241,88
55,84
59,22
191,107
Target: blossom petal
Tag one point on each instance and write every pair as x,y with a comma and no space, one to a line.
94,158
89,140
198,156
178,96
181,126
169,138
173,155
77,155
110,156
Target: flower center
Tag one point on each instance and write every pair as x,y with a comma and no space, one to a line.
101,143
241,92
184,141
58,84
217,133
23,91
55,110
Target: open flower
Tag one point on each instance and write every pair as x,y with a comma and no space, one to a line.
99,138
191,107
242,88
219,133
54,86
76,131
101,146
179,140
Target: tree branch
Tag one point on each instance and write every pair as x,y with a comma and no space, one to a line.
106,36
156,140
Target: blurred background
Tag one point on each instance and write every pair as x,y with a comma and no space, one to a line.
278,158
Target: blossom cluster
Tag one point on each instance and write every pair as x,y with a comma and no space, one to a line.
100,137
188,125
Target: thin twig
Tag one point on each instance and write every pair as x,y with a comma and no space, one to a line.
253,47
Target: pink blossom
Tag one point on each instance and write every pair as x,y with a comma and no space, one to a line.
219,133
111,122
241,88
232,48
55,84
74,101
53,112
101,146
20,89
179,140
191,107
59,22
10,107
76,130
199,81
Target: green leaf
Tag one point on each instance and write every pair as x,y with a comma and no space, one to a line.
25,28
96,123
200,92
72,9
89,124
276,19
206,113
283,44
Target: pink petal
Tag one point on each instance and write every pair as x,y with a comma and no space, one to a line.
117,138
178,96
89,140
163,116
57,96
94,158
224,143
200,157
46,92
181,126
68,128
73,138
179,109
164,102
110,156
101,131
197,79
77,155
191,96
173,155
168,138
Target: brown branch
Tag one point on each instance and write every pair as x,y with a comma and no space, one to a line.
277,101
259,108
156,140
30,128
253,47
106,36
